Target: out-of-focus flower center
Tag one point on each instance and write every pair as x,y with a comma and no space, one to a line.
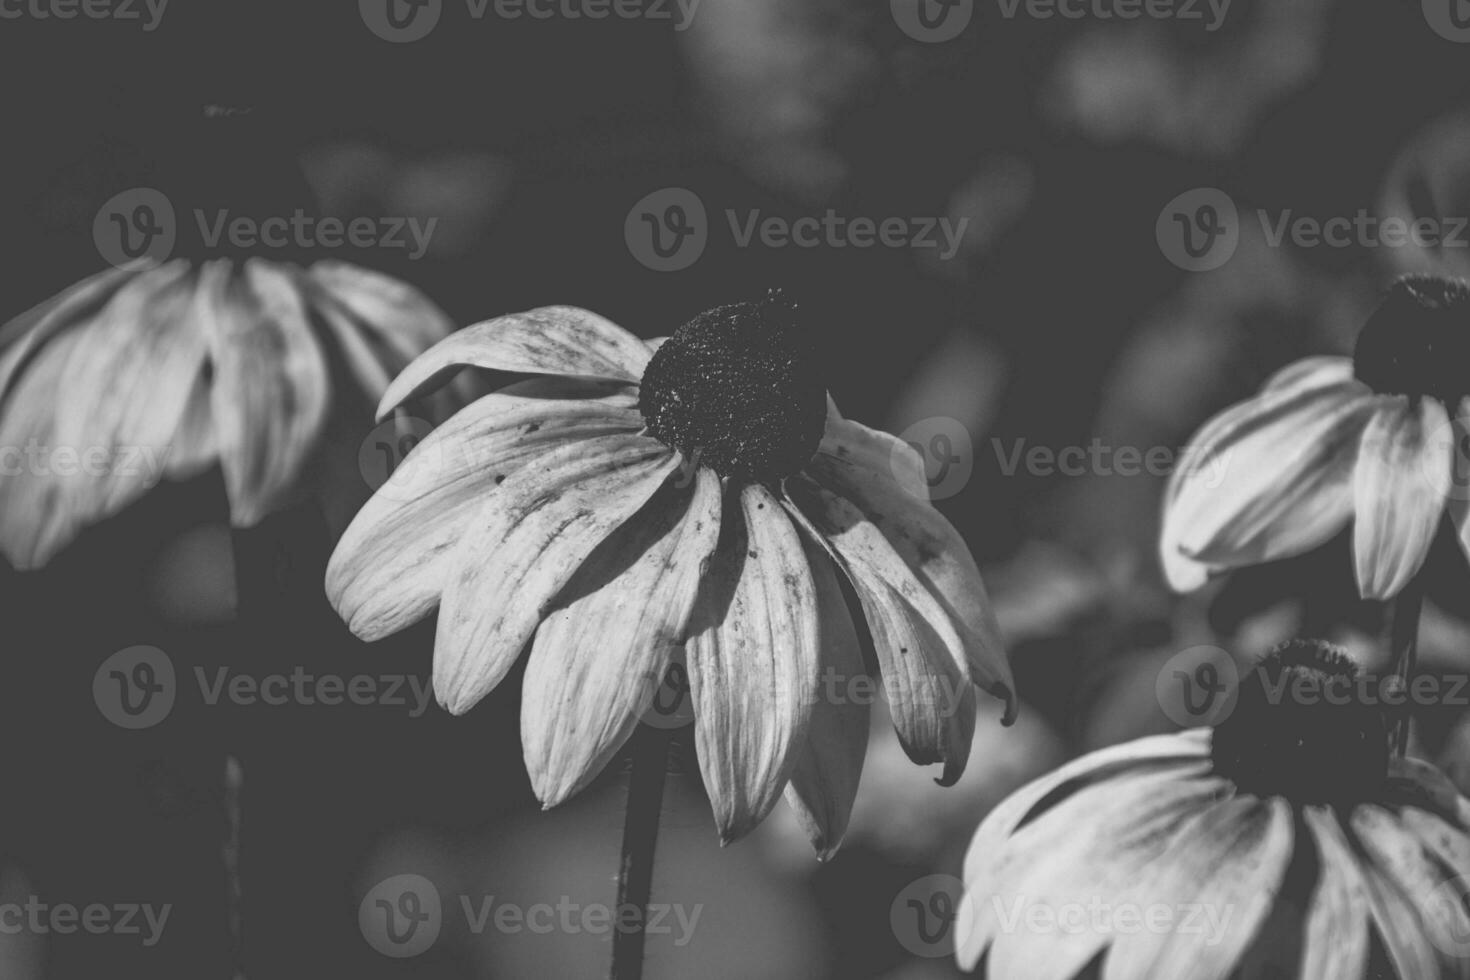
1417,341
737,389
1307,727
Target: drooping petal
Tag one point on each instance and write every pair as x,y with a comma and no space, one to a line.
24,336
523,547
1336,939
1404,886
1311,372
1400,485
271,383
1271,479
551,340
1234,857
1094,843
754,662
95,411
925,671
394,560
884,477
598,660
829,763
1174,755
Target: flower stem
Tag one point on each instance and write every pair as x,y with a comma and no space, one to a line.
649,766
234,782
1404,646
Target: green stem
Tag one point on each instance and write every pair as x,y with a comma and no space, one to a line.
1404,647
649,766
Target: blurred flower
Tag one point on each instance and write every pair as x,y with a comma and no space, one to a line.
1330,439
1428,189
1213,821
701,491
138,375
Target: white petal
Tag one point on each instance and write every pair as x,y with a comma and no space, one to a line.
884,477
1272,482
1336,939
271,384
1400,487
394,560
523,547
1234,857
925,670
754,662
598,660
388,310
25,335
830,762
551,340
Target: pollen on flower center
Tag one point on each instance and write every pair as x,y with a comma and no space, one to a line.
737,389
1415,342
1305,727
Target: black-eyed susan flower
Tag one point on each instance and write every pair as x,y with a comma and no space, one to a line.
138,375
1331,440
694,502
1284,842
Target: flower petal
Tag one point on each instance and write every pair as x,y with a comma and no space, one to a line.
884,477
1268,480
925,671
551,340
829,763
271,384
753,662
394,560
1404,884
598,660
1400,486
1336,939
1233,858
389,310
523,547
24,336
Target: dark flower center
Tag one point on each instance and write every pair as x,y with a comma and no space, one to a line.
737,389
1417,340
1307,727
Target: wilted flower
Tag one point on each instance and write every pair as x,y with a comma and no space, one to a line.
138,375
1283,840
1332,439
636,500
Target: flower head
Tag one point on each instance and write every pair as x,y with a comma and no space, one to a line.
1284,837
692,502
1329,440
143,374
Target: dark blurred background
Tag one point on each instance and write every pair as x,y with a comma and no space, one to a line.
1059,319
